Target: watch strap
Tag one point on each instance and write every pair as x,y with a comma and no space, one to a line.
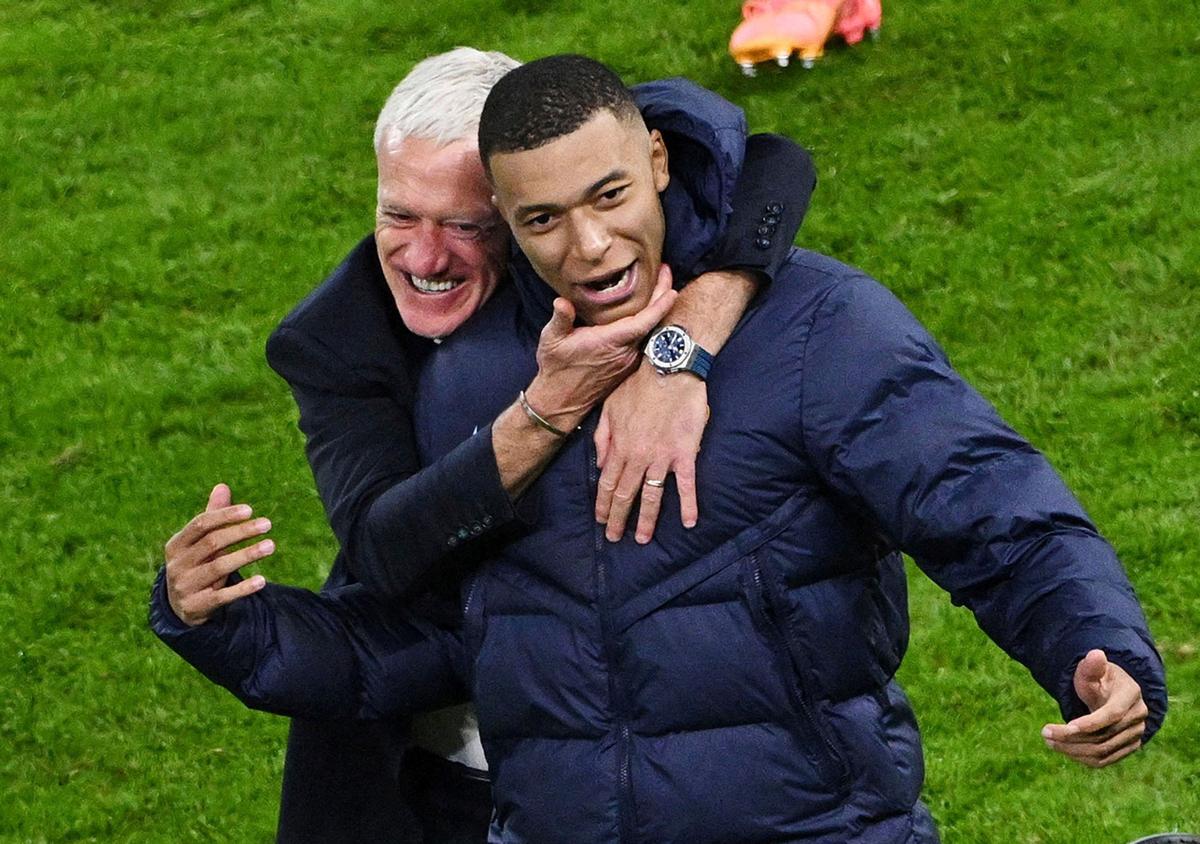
701,362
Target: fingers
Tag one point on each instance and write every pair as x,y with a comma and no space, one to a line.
609,475
1086,755
184,558
1085,728
212,544
1099,754
197,607
238,590
684,471
190,573
621,483
219,498
601,440
628,486
1118,756
652,495
1098,725
627,331
685,484
1114,744
1104,720
1114,697
201,525
1066,734
223,566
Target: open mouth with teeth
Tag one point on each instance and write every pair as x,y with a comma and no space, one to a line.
425,285
613,286
608,282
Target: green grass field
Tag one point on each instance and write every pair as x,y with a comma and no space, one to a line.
175,176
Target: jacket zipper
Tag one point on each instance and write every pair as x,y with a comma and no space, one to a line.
472,627
625,803
776,621
470,596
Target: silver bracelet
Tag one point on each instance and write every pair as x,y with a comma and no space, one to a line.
537,418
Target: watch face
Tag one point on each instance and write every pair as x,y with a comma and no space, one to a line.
670,347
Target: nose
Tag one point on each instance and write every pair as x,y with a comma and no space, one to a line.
591,238
426,255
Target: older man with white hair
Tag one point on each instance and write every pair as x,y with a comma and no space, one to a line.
407,527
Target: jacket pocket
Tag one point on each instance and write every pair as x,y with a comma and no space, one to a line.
768,608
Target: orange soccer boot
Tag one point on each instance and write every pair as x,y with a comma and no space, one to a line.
774,29
858,17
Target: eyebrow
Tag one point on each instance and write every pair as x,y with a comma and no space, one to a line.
548,207
483,220
394,208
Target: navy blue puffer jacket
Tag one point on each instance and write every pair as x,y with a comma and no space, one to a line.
734,682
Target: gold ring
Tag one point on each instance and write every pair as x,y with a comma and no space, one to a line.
656,484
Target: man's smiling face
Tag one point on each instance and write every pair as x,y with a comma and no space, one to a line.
441,244
585,210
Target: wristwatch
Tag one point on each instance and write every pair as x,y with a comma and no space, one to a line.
672,349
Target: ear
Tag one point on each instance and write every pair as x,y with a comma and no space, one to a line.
658,161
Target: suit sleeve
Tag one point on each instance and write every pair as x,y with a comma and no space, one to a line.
340,654
394,519
753,191
896,431
769,204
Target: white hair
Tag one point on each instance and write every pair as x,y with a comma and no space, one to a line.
441,98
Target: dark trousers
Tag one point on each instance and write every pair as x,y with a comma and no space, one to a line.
351,783
453,803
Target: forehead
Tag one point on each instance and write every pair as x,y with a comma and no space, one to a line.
433,180
561,172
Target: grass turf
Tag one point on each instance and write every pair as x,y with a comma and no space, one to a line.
176,175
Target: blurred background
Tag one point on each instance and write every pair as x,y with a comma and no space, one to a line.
176,176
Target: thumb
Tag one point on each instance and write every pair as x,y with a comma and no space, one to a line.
1089,676
561,321
663,283
218,498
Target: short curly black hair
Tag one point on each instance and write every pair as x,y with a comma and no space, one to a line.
539,102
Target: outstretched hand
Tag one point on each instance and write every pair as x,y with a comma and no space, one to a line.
197,565
1114,726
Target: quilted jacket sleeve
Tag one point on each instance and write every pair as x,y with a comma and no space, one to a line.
340,654
896,431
